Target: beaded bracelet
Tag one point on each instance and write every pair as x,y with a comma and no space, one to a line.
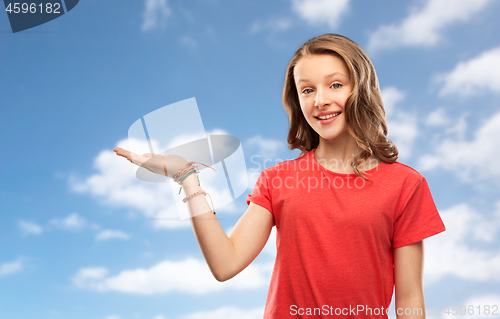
186,175
189,173
186,169
198,193
183,173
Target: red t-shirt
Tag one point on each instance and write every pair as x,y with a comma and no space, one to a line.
335,235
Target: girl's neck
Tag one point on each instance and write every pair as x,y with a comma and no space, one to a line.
337,154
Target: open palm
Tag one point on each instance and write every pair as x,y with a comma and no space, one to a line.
154,162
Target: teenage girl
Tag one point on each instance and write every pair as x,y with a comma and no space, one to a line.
350,219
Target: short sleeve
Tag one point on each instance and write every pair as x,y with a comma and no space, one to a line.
418,218
261,194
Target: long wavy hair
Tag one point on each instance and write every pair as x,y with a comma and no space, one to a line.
364,110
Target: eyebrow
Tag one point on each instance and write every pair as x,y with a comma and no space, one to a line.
326,76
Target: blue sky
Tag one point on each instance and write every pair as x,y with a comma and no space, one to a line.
76,235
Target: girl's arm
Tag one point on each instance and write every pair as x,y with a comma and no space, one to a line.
408,273
227,256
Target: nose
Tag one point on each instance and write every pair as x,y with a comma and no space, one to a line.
322,98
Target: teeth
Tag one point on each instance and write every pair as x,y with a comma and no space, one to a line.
328,116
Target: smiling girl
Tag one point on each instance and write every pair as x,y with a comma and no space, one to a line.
350,218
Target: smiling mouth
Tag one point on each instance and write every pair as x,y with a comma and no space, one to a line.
326,117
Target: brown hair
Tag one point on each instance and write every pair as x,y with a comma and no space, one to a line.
364,110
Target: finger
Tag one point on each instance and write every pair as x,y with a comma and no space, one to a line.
123,153
119,149
131,156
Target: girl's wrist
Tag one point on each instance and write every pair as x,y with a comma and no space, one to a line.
190,184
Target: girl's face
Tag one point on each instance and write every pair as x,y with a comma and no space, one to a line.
323,86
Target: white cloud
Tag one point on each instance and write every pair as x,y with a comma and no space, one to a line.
267,148
112,317
391,96
87,275
318,12
450,253
449,125
159,317
313,12
115,184
73,222
424,25
30,228
189,276
460,127
437,117
11,268
155,14
471,160
473,77
111,234
402,126
227,312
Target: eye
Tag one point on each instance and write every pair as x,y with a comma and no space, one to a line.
336,85
306,91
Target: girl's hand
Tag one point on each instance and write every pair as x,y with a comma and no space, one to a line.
154,162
